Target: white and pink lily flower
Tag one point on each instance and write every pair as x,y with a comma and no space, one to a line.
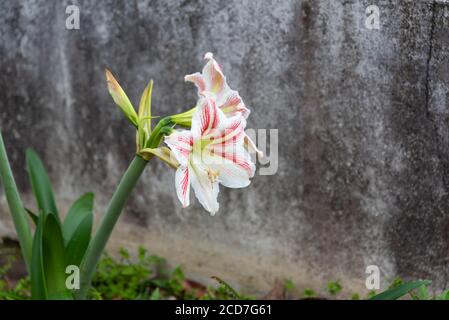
212,79
211,153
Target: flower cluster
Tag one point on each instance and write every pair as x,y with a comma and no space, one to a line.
216,149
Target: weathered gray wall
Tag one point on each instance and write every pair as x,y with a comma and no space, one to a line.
362,116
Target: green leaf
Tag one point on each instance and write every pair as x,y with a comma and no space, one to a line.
34,217
10,296
145,108
401,290
443,296
227,287
54,259
334,287
37,275
155,295
15,206
422,293
40,183
78,243
309,293
144,116
80,209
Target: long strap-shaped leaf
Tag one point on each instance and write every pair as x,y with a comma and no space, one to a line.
80,209
41,184
77,229
54,259
401,290
78,243
38,283
15,205
48,278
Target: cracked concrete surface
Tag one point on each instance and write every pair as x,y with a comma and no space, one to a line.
362,116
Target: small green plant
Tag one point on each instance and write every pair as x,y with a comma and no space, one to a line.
355,296
443,296
20,291
396,283
144,277
289,286
334,287
371,294
55,244
309,293
122,279
423,293
148,277
224,292
227,288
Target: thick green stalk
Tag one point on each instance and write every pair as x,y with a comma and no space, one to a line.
98,243
15,206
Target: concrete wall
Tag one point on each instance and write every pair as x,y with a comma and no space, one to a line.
362,115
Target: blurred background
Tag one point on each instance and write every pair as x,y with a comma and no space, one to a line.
362,116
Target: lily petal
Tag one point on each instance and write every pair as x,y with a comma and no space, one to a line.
230,132
206,191
231,103
182,182
227,156
197,79
207,116
213,80
213,75
181,144
235,170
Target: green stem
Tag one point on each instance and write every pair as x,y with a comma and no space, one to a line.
157,135
98,243
183,119
15,206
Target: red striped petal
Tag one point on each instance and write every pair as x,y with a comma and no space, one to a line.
182,182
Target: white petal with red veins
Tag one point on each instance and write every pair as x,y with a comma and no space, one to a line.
182,182
181,143
197,79
213,80
207,117
215,150
206,191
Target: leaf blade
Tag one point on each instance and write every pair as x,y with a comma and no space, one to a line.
401,290
34,217
37,275
76,214
40,183
54,259
16,206
78,243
